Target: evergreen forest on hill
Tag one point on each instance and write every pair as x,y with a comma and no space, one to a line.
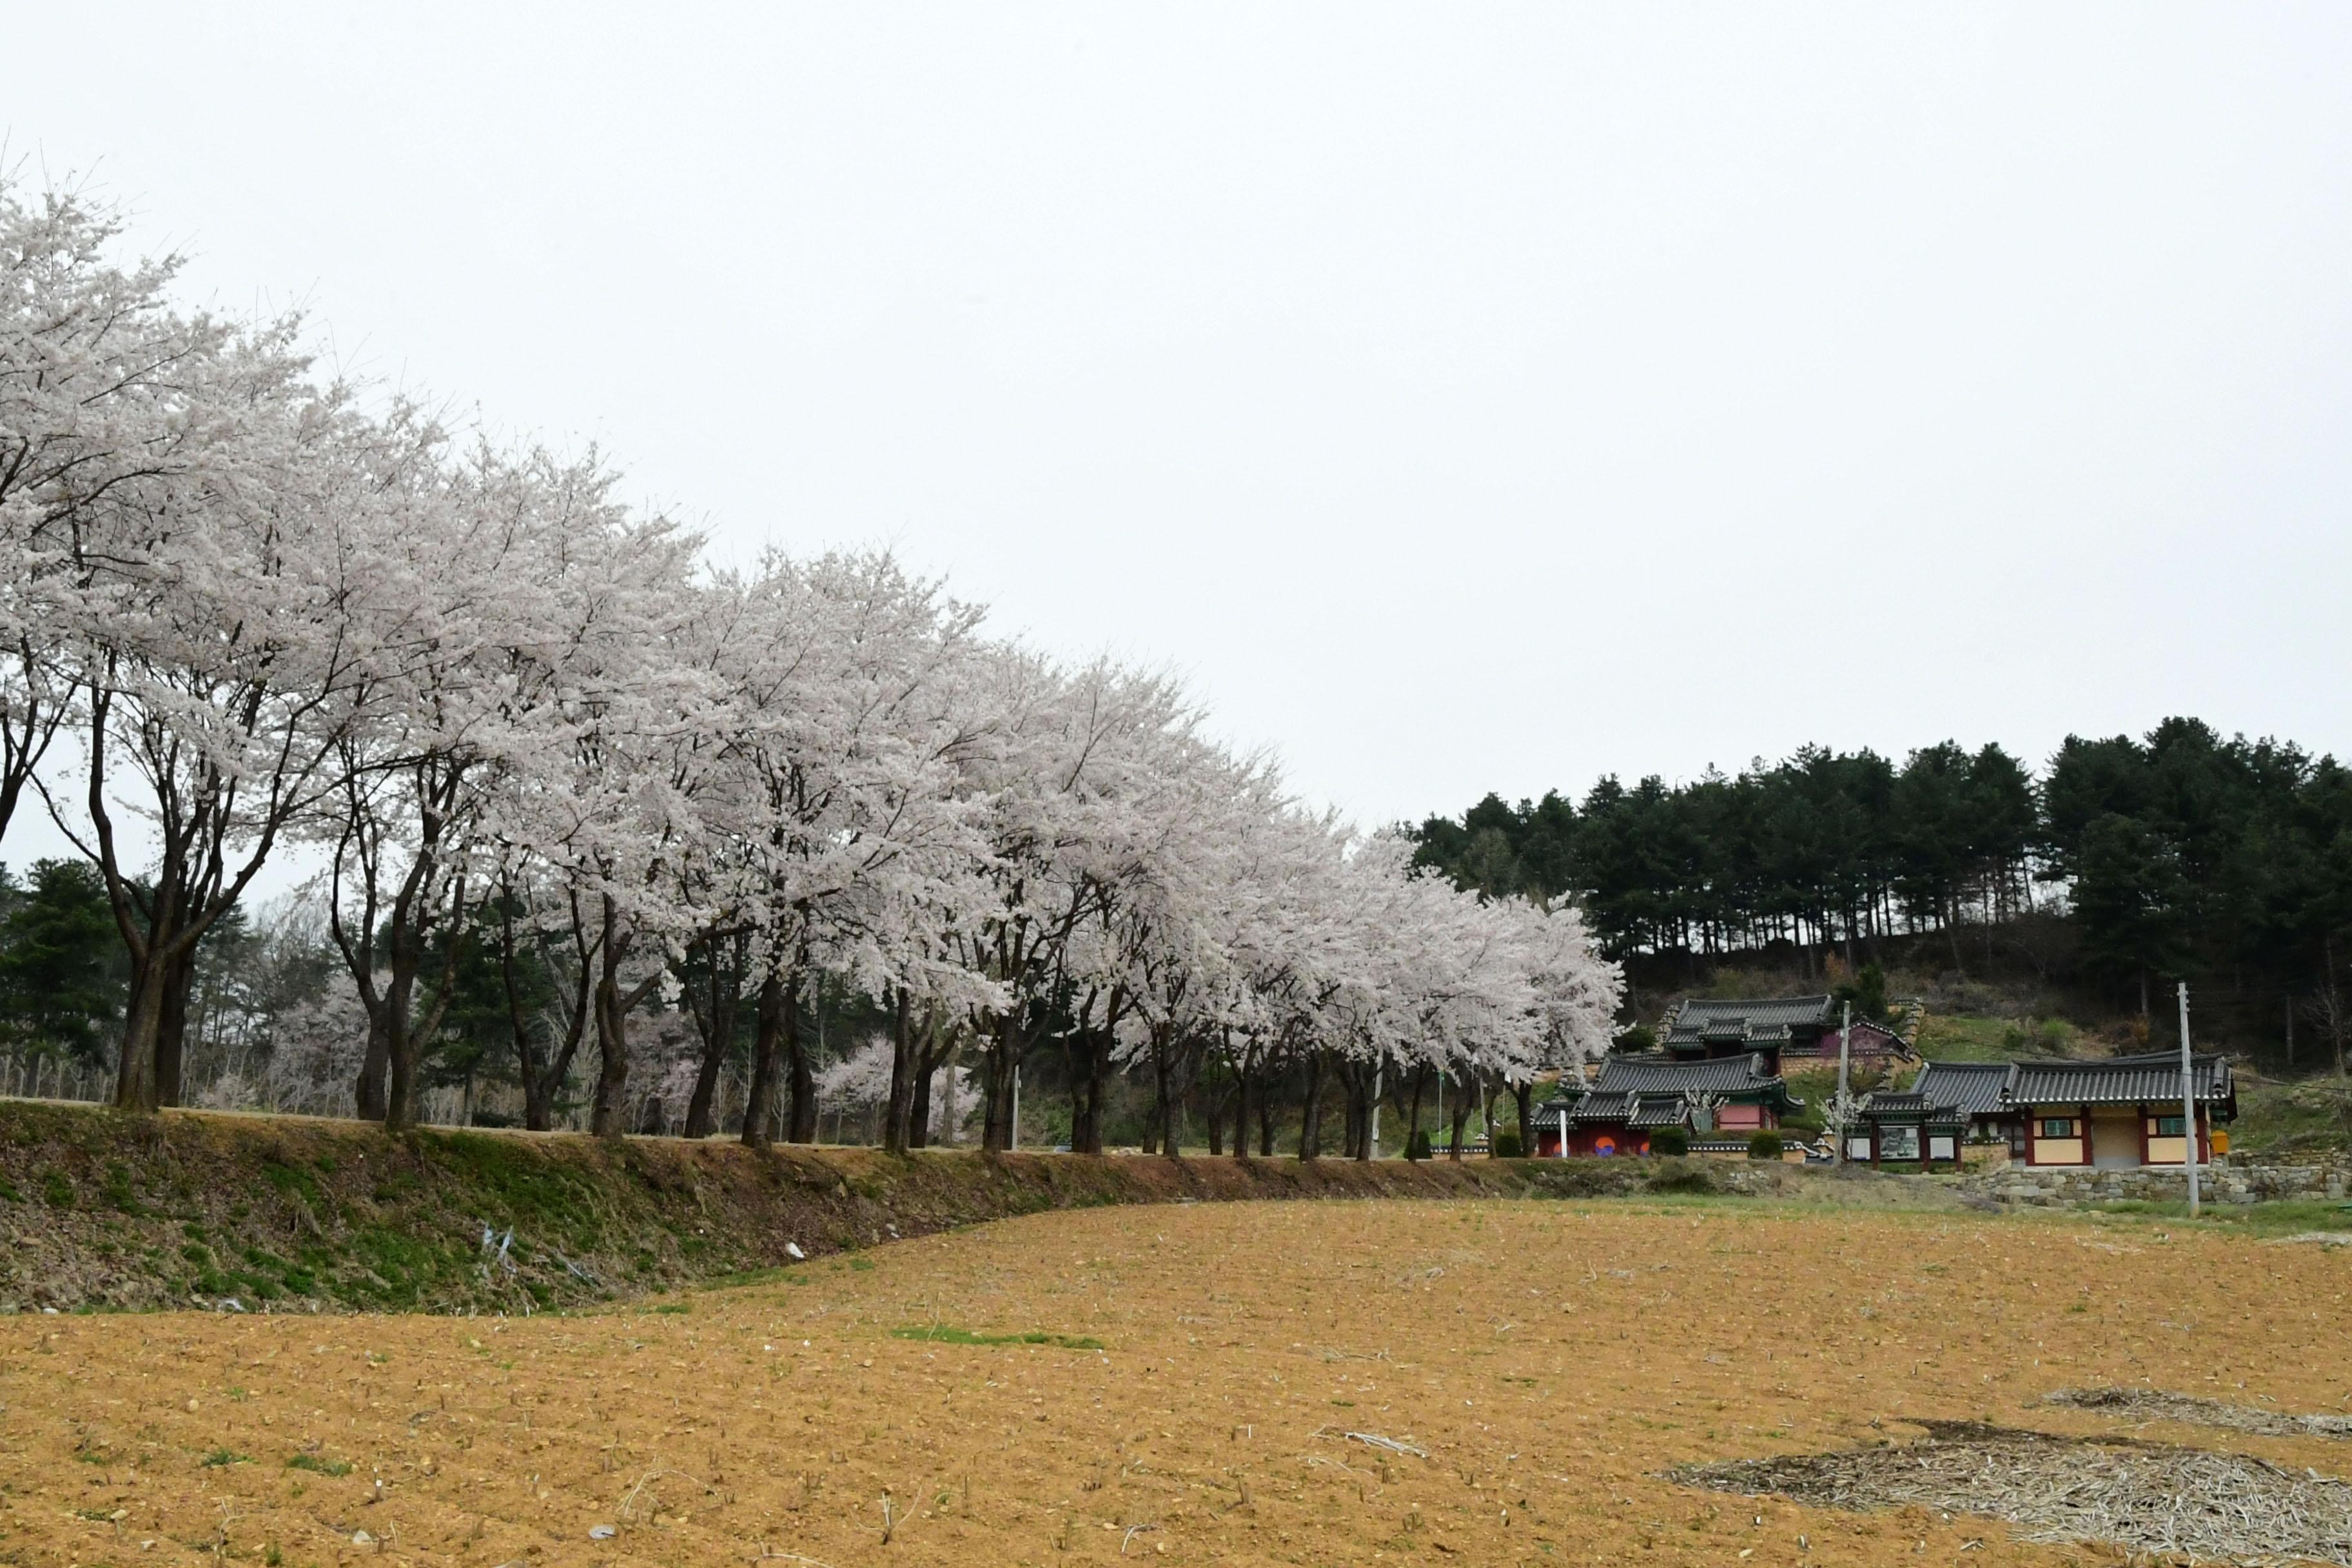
2119,867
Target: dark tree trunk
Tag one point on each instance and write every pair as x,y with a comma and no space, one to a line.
918,1112
1525,1093
400,1054
172,1030
1085,1051
717,1022
1310,1124
1413,1116
1003,1061
1353,1139
1243,1106
802,1070
1461,1119
609,1117
777,1001
1163,1074
903,1067
135,1088
371,1096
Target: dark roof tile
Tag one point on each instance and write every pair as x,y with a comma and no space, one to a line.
1975,1087
2150,1080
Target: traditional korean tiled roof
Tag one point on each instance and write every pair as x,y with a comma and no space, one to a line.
1633,1109
1974,1088
1647,1089
1703,1020
2150,1080
1884,1106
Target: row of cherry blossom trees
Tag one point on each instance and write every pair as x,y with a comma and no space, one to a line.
251,614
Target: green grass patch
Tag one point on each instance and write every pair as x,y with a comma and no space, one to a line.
291,1180
1947,1038
222,1456
947,1334
2315,1116
755,1277
2288,1217
318,1464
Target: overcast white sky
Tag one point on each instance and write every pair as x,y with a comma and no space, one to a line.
1462,397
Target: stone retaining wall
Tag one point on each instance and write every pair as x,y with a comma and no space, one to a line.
2225,1181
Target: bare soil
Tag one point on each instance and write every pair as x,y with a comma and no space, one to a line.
1262,1371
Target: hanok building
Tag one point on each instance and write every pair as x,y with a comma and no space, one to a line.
1979,1093
1873,1046
2121,1112
1710,1028
1635,1095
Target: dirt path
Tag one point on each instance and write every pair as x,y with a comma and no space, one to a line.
1548,1359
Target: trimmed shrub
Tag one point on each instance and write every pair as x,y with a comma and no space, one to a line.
1764,1146
1417,1146
1506,1145
1669,1141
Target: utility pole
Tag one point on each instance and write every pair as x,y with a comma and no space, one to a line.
2187,1104
1016,1108
1845,1041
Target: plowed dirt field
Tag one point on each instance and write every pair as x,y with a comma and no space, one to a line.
1545,1359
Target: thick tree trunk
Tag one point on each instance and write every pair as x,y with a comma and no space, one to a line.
1003,1061
903,1067
1243,1106
610,1116
370,1096
918,1112
1525,1093
403,1050
801,1070
1412,1117
776,999
135,1088
172,1030
701,1118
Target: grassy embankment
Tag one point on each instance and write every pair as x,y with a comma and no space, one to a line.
287,1214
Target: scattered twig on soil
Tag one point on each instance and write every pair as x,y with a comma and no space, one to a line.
1375,1440
2157,1405
1132,1531
2148,1497
630,1501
